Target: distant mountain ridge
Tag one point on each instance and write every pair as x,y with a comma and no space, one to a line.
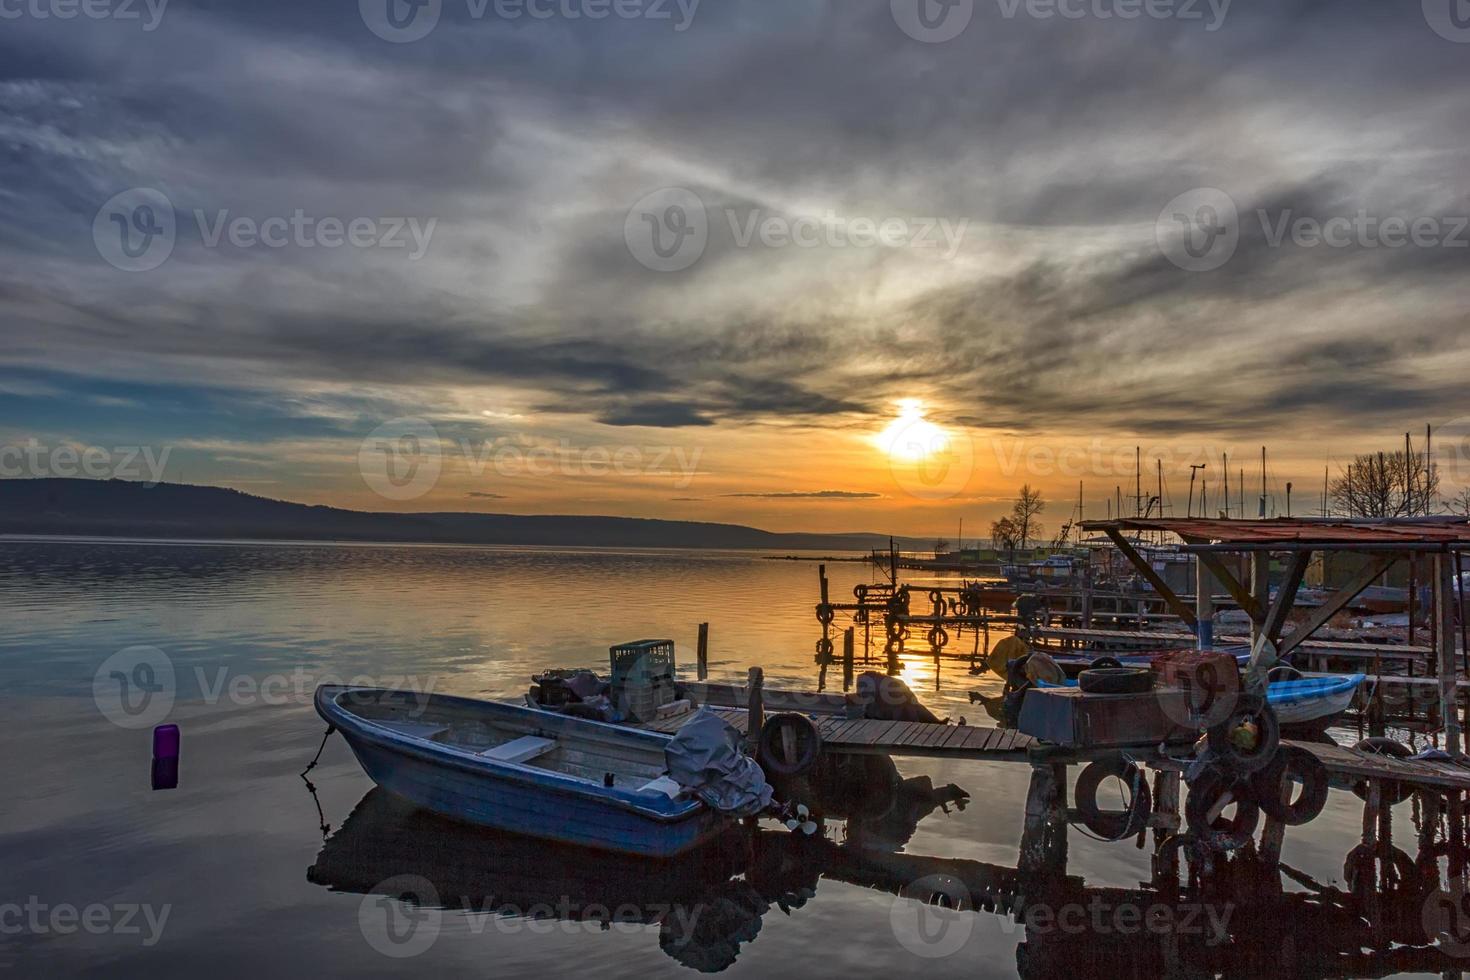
121,508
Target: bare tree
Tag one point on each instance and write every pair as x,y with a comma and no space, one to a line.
1461,504
1023,514
1004,534
1397,484
941,546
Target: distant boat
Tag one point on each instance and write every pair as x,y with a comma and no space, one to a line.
512,768
1312,701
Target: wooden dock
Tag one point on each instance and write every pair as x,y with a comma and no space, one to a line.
904,738
911,738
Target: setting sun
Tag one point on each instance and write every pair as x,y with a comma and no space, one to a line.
911,437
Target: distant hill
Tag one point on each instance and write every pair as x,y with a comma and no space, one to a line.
120,508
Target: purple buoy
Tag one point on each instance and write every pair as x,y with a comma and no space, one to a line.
166,757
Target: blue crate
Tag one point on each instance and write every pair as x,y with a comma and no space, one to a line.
642,662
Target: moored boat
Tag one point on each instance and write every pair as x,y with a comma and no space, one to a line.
512,768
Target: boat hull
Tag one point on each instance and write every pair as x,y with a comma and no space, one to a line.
522,801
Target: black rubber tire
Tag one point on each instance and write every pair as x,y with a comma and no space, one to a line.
1113,826
1393,792
1207,790
1240,760
771,751
1116,680
1291,762
1106,663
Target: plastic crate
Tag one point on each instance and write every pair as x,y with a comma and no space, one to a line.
642,662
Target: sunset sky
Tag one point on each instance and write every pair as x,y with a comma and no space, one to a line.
803,265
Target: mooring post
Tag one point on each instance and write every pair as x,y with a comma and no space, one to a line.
1166,824
701,662
755,709
1204,606
1044,836
1444,645
849,641
1087,596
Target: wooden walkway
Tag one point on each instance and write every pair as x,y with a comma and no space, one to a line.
903,738
911,738
1332,648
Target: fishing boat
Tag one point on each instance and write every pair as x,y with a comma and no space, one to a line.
516,769
1306,702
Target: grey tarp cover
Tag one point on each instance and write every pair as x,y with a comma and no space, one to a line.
704,758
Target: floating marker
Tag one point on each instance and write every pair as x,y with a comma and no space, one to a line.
166,741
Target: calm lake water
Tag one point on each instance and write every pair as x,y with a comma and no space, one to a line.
212,879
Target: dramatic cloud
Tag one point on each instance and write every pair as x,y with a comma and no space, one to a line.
348,226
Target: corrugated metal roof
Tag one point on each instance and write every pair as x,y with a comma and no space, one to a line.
1408,532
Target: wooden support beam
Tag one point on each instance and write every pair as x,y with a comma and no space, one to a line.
1152,578
1337,602
702,653
848,643
755,710
1260,567
1286,596
1238,592
1444,645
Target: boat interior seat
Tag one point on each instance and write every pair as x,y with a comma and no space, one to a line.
415,729
522,749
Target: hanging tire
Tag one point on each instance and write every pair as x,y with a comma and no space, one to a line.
1246,759
1205,795
1294,764
1113,825
1116,680
1393,792
789,744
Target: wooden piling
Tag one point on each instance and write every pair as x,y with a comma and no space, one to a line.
755,708
702,653
1444,645
849,641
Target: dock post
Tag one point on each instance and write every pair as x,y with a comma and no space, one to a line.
849,640
1444,645
1166,824
1204,605
702,653
1087,597
1043,857
755,710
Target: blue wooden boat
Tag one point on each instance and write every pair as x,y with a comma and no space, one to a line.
1311,701
516,769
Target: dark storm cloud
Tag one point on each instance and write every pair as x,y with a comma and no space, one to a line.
1060,140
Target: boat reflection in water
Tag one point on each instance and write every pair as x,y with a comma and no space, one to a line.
1234,919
